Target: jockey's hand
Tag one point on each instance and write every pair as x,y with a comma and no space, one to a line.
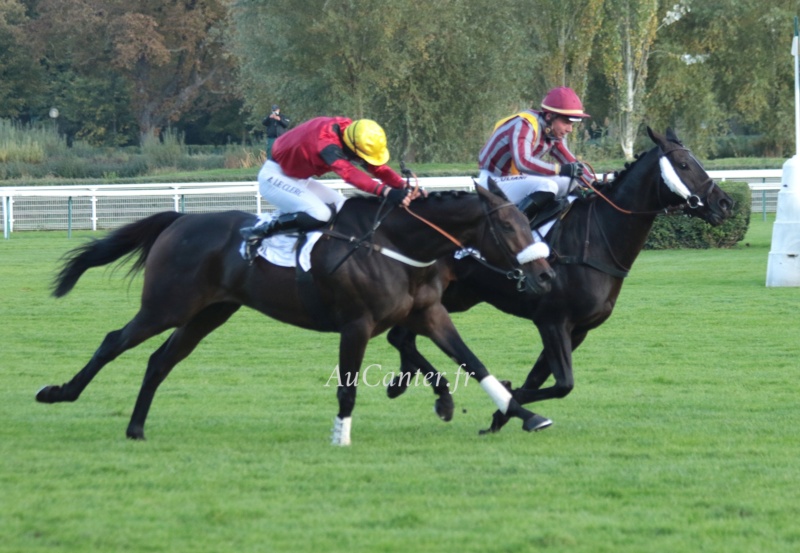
398,196
417,191
572,170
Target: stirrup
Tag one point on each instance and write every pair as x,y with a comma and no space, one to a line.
251,249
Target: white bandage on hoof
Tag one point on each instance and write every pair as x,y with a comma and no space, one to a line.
497,392
341,431
537,250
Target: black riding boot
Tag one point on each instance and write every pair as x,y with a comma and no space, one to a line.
531,204
286,222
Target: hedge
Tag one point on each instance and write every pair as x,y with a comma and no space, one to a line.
682,231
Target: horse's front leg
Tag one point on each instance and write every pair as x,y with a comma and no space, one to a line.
441,330
411,362
555,359
352,346
537,376
540,372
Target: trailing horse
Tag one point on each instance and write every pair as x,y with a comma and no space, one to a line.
195,279
593,246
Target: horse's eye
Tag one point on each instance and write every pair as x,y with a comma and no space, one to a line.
683,165
507,227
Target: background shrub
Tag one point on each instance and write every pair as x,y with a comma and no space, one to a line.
682,231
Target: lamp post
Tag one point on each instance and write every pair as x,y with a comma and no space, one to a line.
783,266
53,113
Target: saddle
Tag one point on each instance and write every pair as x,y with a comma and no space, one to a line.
550,211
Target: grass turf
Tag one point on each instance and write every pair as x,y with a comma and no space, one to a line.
681,434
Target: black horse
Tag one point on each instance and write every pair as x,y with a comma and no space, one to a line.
593,248
195,279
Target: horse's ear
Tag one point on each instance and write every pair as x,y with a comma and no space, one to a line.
496,190
672,137
659,139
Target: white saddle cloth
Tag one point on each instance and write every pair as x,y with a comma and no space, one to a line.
280,249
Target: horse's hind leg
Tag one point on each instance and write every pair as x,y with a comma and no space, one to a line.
177,347
438,326
411,362
353,340
139,329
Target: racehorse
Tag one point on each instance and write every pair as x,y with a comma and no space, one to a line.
195,278
593,247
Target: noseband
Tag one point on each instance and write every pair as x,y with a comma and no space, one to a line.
691,201
515,273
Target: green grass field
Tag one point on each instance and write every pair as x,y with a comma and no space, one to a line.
682,433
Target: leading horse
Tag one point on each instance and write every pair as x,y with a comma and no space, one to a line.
594,246
195,279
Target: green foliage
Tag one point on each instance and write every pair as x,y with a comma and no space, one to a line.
680,434
682,231
436,75
166,150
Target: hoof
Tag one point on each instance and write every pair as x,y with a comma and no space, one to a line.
444,407
499,420
395,388
536,423
46,394
135,433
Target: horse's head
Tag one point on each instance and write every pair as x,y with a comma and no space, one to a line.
686,178
509,243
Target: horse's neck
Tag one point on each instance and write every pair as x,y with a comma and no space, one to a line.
453,221
637,193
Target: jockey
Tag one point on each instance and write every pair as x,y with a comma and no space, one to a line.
513,155
316,147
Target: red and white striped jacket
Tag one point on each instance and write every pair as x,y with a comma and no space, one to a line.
518,144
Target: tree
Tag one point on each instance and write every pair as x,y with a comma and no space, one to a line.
437,75
21,78
167,57
562,41
629,37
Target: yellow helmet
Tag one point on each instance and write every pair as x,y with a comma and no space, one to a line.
367,139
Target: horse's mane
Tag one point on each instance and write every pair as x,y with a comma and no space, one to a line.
629,165
438,195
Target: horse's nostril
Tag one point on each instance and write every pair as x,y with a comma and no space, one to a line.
726,205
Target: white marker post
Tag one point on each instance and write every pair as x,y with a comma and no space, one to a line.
783,266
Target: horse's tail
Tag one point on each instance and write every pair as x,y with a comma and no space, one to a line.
125,241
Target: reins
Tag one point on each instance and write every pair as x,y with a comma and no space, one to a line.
667,209
617,269
515,273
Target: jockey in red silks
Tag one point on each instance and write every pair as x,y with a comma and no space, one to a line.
318,146
514,154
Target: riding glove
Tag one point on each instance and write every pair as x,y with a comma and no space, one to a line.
397,195
572,170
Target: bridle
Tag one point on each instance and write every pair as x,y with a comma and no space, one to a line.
691,201
515,273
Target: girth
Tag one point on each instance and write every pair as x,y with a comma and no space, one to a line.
309,294
583,258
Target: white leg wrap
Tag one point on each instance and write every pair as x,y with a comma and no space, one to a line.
497,392
537,250
341,431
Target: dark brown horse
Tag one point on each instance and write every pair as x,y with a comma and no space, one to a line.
594,246
195,279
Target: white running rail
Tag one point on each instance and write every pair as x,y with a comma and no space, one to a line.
107,206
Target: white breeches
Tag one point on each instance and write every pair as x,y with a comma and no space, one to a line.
291,195
516,187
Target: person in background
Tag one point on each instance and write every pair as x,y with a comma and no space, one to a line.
316,147
276,123
514,154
